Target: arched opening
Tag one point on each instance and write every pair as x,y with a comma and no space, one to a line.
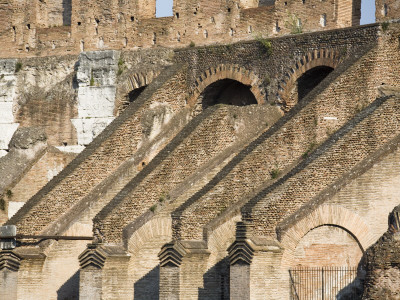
227,91
327,245
325,264
131,97
134,94
310,79
297,89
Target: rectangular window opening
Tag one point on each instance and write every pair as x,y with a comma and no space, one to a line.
164,8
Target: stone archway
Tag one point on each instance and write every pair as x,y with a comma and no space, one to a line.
325,215
131,88
327,245
315,65
227,91
228,72
322,253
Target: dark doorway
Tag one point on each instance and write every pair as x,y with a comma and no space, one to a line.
227,91
310,79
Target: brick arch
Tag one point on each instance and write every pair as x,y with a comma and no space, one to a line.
233,72
317,58
155,228
131,82
325,215
137,80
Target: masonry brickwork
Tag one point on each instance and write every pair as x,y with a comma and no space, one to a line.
69,26
206,154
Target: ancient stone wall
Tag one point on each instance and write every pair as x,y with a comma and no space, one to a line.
382,263
72,104
114,152
256,167
39,92
67,27
210,133
48,166
363,133
170,101
387,10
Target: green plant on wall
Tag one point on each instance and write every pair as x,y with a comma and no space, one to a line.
274,173
2,204
309,149
385,26
267,79
266,43
294,24
91,83
343,51
121,66
18,67
163,197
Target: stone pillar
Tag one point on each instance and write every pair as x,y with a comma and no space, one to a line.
182,266
170,261
9,266
240,256
96,77
90,280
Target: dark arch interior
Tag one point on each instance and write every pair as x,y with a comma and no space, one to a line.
133,95
227,91
310,79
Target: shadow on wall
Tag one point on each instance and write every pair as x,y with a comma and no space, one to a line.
67,12
147,287
216,282
70,289
354,291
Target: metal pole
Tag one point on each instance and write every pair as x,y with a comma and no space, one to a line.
322,283
47,237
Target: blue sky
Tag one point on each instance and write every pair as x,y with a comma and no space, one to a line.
164,8
367,11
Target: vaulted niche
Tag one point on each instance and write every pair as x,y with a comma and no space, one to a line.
310,79
227,91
